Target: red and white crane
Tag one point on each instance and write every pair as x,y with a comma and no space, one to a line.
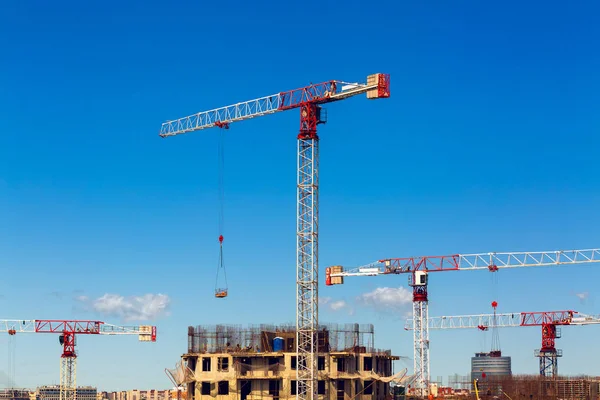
309,100
418,269
67,331
548,320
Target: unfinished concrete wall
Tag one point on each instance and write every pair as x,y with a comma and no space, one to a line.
272,376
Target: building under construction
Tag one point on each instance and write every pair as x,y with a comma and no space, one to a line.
540,387
259,363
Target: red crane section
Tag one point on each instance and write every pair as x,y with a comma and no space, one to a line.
60,326
427,263
547,317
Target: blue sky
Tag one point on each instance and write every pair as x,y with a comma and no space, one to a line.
488,143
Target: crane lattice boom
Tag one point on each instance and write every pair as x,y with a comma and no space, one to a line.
504,320
548,320
12,326
466,262
319,93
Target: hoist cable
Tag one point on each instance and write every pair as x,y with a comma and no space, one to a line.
221,199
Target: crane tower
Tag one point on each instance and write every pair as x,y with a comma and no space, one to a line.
418,269
309,100
67,331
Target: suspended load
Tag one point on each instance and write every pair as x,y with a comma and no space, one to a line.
221,286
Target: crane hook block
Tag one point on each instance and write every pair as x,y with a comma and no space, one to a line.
221,239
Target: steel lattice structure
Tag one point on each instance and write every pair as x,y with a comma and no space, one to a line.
418,269
309,100
67,331
421,343
548,320
307,250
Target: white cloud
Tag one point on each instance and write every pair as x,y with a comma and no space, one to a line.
335,305
324,300
338,305
387,299
132,308
582,296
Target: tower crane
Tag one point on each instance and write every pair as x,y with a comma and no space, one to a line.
418,269
548,320
67,331
309,101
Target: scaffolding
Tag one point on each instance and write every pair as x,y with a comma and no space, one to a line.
541,388
359,338
457,381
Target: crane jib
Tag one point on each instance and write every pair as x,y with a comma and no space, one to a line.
377,86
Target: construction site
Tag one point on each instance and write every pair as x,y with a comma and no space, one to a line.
305,358
309,360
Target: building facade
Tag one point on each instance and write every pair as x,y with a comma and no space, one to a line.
136,394
16,394
229,363
490,365
53,393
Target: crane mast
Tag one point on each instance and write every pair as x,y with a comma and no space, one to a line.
67,331
418,269
309,100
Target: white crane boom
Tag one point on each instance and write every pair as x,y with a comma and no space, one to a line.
503,320
548,320
17,325
470,262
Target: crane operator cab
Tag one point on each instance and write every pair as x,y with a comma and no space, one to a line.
418,278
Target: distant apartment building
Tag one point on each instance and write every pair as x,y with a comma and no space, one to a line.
89,393
136,394
53,393
259,363
15,394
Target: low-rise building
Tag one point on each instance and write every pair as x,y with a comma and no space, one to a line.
136,394
52,392
15,394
